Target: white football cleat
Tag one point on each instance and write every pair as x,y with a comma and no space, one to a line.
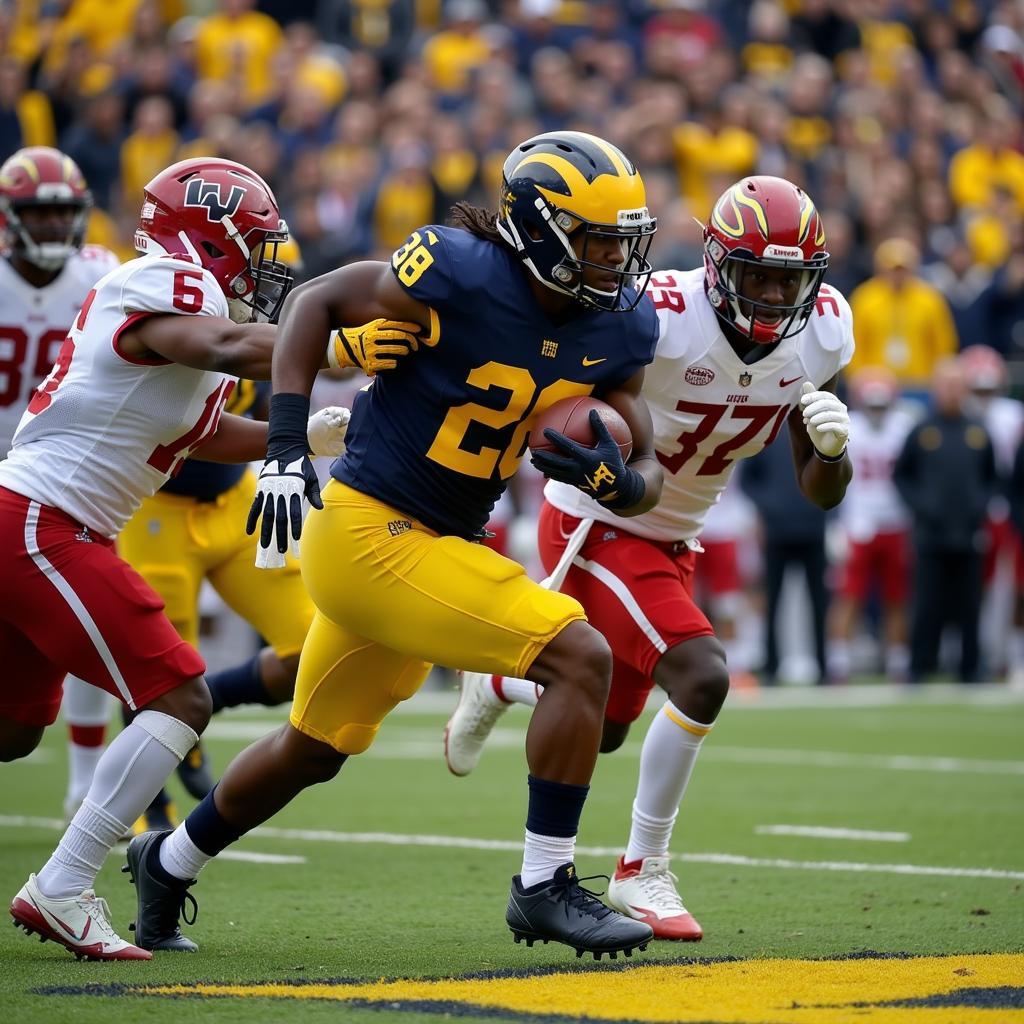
79,923
472,720
646,891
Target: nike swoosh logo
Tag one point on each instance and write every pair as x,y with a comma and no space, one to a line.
587,361
785,383
70,931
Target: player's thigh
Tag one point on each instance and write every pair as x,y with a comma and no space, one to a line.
635,592
347,684
30,684
85,609
161,544
438,599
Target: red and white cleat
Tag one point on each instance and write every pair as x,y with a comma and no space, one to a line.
79,923
646,891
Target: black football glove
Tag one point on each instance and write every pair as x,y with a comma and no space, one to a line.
600,471
285,482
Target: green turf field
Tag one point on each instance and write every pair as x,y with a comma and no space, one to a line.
397,873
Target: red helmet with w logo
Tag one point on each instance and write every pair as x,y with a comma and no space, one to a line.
224,216
44,179
763,221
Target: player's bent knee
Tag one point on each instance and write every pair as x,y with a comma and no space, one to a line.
18,740
170,732
190,703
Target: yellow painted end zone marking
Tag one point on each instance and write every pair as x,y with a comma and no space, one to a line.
742,992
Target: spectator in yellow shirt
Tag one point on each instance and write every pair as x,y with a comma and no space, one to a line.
991,162
901,322
453,54
149,148
239,44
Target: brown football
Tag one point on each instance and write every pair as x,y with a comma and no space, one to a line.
571,416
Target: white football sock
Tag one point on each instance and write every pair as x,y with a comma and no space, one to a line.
180,857
89,706
128,776
666,763
544,855
517,691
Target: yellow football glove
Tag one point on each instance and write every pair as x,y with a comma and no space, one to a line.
373,347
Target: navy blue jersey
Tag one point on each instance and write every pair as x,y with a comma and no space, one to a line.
439,437
207,481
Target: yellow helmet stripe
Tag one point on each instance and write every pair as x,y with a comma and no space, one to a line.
612,153
718,216
597,201
753,204
570,175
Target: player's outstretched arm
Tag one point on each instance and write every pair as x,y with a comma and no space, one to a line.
819,428
204,342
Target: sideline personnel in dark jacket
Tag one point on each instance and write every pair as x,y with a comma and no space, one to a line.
946,474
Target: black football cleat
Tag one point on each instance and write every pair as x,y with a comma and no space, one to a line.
194,772
160,905
561,910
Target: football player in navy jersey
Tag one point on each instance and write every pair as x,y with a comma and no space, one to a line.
517,310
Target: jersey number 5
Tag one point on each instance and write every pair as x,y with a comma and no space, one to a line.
459,431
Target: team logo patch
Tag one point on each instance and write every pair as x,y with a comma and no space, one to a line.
399,526
199,192
872,988
745,379
698,375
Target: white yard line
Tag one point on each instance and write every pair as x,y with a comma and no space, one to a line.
464,843
403,743
827,832
57,825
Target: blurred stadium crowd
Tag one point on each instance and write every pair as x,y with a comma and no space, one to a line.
902,118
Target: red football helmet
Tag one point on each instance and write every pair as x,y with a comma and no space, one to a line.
44,178
984,368
223,216
763,221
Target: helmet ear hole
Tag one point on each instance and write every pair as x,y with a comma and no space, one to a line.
212,250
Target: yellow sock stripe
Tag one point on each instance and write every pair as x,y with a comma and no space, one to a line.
686,723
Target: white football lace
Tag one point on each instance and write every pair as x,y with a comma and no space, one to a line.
96,907
660,889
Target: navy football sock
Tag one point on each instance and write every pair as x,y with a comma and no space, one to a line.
207,829
555,807
239,685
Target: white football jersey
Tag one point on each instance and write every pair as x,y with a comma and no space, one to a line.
1004,420
872,504
33,325
711,409
105,430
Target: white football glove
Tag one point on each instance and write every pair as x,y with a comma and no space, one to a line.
827,420
326,430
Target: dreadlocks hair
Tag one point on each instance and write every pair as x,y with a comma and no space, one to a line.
477,221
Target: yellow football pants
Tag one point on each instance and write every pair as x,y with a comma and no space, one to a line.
392,598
